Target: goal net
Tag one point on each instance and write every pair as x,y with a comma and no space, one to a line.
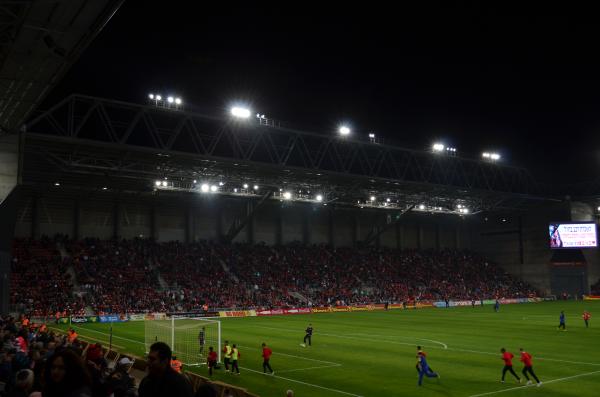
189,338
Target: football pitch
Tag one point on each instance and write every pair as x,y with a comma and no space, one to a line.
372,354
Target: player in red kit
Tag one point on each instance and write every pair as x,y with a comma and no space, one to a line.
526,358
508,367
586,318
266,354
212,360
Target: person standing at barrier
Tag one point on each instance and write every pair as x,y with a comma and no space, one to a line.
266,354
508,367
586,318
211,360
227,355
235,356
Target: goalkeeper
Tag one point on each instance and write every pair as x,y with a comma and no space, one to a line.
201,340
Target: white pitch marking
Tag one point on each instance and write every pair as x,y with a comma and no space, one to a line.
543,383
309,368
305,383
291,355
114,336
388,336
449,348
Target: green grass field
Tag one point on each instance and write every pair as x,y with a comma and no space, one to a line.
373,353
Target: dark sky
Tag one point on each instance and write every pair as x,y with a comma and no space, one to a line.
524,81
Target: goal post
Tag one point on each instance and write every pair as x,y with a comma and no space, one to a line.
188,338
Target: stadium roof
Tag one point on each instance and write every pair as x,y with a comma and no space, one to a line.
39,41
93,142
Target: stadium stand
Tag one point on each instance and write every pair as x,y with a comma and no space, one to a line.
125,276
595,288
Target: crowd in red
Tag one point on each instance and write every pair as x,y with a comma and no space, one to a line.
128,276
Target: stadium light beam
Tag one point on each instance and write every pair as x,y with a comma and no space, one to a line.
344,131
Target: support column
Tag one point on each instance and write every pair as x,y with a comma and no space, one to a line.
457,237
306,226
331,227
190,234
279,226
399,236
116,220
355,229
76,218
250,223
219,221
35,216
153,221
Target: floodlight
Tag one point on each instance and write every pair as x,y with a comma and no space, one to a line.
178,101
287,195
485,155
466,210
319,197
104,188
495,156
214,188
151,96
205,188
245,186
372,198
170,99
240,112
421,207
255,187
388,200
344,130
235,190
221,183
195,181
164,183
371,135
438,147
157,183
158,98
56,184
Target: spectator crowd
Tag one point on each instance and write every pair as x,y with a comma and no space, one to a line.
54,277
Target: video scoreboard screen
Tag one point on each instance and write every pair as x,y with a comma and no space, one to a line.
572,235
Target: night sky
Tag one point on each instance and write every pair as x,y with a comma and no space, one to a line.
522,81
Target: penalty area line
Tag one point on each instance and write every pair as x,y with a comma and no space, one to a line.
309,368
303,383
543,383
